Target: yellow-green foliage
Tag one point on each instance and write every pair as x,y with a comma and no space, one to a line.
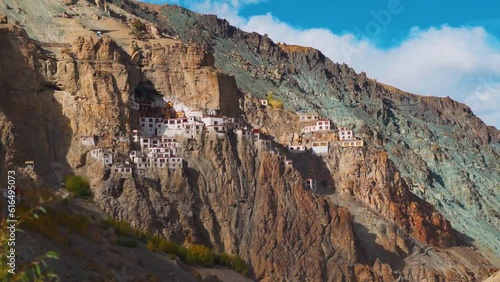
232,261
199,254
192,254
49,224
123,228
78,185
36,270
275,103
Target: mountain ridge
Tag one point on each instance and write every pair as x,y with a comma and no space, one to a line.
192,203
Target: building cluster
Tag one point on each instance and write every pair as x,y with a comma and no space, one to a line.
160,126
316,124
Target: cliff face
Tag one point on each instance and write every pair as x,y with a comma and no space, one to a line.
381,208
244,202
446,155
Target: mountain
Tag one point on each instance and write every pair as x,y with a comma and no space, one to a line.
418,201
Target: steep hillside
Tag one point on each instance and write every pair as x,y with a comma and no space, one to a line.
448,156
408,205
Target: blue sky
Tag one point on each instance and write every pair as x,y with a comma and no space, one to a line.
440,48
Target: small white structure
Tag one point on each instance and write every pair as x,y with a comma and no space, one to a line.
219,130
243,134
344,133
87,141
288,163
193,130
30,164
136,135
263,145
232,123
149,125
320,148
263,102
296,148
310,184
174,163
96,153
321,125
212,120
140,171
107,159
255,135
352,143
145,142
123,170
306,117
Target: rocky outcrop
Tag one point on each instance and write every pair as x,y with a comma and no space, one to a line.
239,200
242,202
419,133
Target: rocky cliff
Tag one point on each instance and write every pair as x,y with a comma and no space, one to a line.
447,156
387,211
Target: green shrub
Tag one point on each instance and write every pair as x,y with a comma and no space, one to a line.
199,254
126,242
121,227
232,261
48,224
276,104
78,186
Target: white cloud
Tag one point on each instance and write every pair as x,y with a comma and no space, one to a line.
460,62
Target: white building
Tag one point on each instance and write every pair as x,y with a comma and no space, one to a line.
263,102
352,143
255,135
149,125
145,142
322,124
219,130
232,123
104,154
175,163
140,172
136,135
107,159
288,163
212,120
30,164
320,147
306,117
243,134
193,130
296,148
344,133
263,145
123,170
87,141
310,184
